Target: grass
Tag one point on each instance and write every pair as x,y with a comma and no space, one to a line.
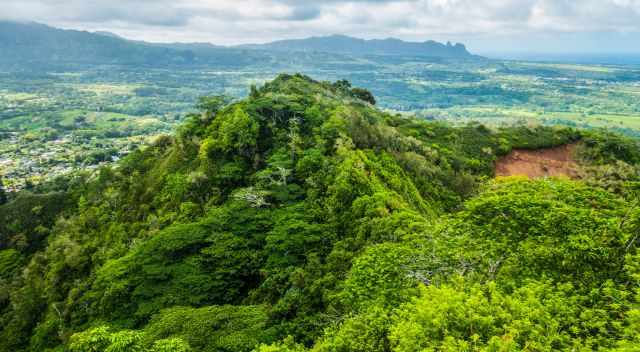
98,121
574,67
108,89
598,120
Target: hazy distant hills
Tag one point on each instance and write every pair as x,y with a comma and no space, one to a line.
34,45
355,46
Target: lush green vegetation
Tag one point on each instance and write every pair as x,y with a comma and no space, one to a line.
302,218
53,121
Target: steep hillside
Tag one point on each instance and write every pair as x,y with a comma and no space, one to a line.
551,162
303,218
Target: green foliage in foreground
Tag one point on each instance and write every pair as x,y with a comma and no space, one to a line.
303,219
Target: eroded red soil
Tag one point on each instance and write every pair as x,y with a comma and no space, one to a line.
558,161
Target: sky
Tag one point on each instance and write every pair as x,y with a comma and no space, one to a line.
485,26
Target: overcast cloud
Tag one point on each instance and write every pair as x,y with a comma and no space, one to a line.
485,25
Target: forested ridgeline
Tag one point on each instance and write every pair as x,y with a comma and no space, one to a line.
302,218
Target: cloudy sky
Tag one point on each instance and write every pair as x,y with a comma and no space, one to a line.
486,26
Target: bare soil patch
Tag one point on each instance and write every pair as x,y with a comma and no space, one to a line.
550,162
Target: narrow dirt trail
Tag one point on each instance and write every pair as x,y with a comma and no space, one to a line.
550,162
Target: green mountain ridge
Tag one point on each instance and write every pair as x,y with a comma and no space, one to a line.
302,218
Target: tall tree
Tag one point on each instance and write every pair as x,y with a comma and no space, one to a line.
3,194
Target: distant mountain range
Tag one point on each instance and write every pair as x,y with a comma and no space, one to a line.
355,46
32,44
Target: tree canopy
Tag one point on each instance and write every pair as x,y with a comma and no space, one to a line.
302,218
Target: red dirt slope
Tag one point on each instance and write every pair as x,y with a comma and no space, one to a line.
539,163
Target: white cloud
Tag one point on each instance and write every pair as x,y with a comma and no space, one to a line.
242,21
